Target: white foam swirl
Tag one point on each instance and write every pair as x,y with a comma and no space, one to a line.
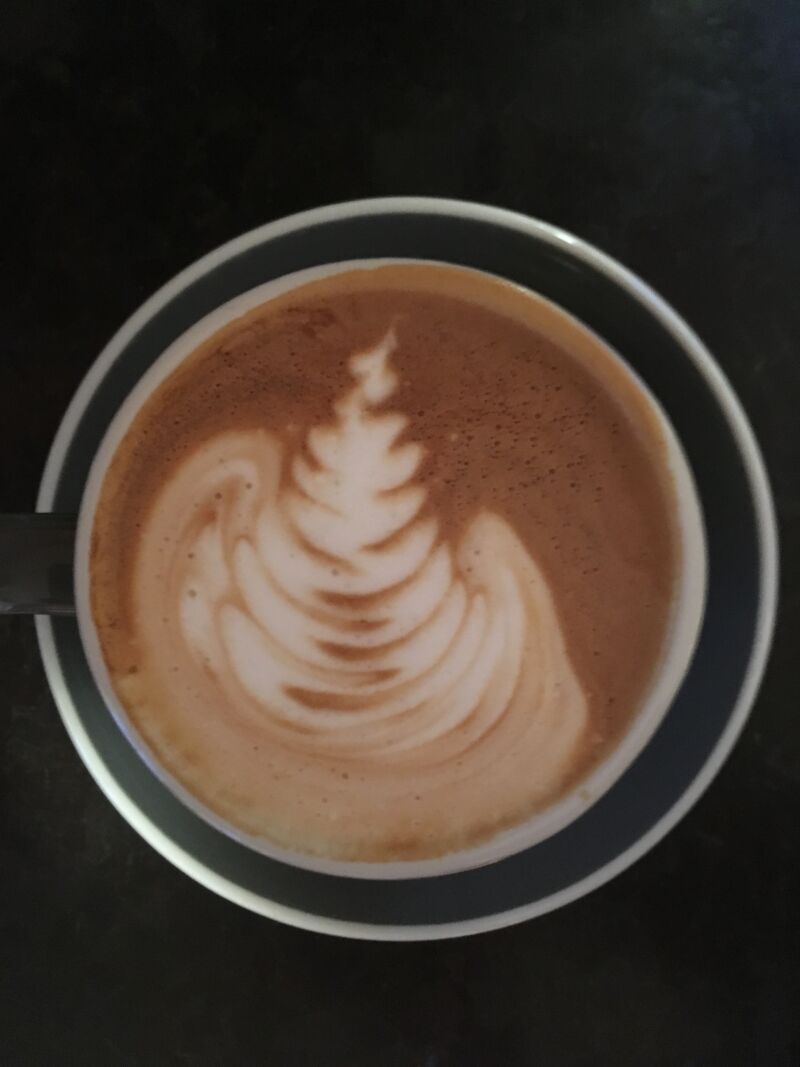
317,591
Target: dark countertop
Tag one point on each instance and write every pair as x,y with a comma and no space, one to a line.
138,136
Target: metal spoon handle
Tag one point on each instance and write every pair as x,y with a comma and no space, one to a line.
36,564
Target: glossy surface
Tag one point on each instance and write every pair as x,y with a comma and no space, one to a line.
668,135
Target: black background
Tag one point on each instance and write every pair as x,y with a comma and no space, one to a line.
135,138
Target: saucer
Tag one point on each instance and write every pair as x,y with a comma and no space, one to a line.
706,716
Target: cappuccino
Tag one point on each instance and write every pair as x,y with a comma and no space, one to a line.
386,565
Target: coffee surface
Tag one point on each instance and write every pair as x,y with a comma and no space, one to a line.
386,565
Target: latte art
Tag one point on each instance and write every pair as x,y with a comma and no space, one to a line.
316,590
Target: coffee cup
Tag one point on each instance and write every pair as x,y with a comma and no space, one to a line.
258,271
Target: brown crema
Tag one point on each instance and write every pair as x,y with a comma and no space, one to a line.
522,417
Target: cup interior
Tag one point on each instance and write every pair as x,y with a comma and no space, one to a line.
683,628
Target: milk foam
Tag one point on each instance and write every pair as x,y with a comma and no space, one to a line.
314,588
